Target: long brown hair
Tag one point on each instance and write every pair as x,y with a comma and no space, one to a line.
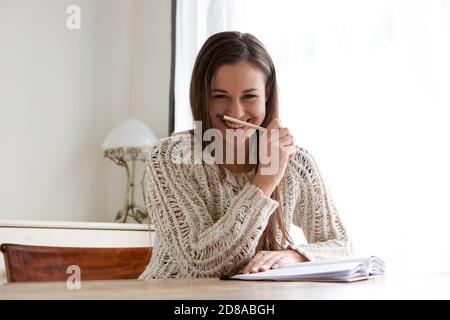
229,48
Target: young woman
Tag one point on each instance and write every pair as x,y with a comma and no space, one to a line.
224,218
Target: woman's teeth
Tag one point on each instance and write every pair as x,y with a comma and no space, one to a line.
233,125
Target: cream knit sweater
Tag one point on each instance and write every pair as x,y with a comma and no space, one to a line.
206,227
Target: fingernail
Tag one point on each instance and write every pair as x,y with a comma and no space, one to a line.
275,266
265,267
254,269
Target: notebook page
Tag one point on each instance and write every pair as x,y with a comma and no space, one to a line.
365,260
333,271
377,266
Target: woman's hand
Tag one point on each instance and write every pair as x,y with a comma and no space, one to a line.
265,260
277,153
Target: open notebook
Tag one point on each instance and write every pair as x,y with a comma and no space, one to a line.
339,270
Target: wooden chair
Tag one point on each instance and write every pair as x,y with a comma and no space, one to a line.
38,263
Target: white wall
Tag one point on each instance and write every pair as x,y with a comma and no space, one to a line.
62,91
151,77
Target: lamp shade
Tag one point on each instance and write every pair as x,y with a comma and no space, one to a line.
131,133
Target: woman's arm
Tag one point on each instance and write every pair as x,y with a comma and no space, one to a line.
199,245
316,214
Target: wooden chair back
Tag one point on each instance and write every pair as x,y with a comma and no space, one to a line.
26,263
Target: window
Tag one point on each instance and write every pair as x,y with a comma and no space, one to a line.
365,86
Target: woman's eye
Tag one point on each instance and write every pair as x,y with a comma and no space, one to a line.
220,96
249,96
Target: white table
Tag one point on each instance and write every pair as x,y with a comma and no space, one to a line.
424,286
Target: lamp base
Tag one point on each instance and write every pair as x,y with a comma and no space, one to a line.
134,212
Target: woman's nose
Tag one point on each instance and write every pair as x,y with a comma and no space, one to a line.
235,109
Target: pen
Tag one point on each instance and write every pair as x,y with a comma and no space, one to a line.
250,125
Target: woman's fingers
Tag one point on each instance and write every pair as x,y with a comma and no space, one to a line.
262,262
291,150
276,127
274,124
283,132
251,266
281,262
284,136
289,257
269,263
286,141
265,260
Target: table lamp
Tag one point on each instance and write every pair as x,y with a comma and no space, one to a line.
129,142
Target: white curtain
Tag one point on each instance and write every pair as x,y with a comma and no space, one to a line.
365,86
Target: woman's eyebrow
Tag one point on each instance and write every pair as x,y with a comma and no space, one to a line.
219,90
225,91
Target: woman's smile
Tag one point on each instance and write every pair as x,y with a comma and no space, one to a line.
235,126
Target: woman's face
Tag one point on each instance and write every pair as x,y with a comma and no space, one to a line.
238,91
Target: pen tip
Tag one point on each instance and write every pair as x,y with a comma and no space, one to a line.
220,116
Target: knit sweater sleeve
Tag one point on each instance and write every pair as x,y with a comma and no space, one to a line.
202,247
316,214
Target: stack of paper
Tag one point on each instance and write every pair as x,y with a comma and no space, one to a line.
341,270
